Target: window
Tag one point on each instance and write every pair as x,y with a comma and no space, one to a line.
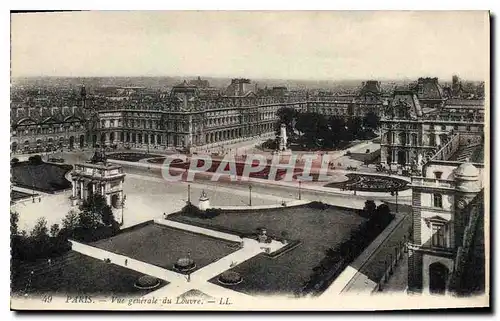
438,200
438,174
438,234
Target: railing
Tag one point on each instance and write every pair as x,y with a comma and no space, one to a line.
448,149
432,182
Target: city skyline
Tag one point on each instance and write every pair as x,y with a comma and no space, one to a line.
256,45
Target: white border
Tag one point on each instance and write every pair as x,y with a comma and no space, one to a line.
199,5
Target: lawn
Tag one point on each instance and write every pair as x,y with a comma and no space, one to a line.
44,177
75,273
17,195
318,230
163,246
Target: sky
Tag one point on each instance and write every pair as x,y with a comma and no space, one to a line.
323,45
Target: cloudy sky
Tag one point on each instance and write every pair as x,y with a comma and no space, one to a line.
292,45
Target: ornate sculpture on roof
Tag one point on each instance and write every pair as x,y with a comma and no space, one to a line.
98,157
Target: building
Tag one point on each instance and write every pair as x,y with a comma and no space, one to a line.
448,221
186,117
42,124
412,132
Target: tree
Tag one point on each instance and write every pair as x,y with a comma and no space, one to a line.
370,207
71,220
354,127
40,230
14,223
35,160
337,130
95,212
54,229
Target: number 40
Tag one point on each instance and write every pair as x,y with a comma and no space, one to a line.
47,298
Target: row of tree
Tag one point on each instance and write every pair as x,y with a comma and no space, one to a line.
336,259
314,130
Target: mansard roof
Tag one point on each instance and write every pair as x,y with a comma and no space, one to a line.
428,88
408,97
370,86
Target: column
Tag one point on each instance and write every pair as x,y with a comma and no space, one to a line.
383,155
74,188
81,190
407,157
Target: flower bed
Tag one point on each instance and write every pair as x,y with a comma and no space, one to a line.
263,174
230,278
147,282
371,183
130,157
185,264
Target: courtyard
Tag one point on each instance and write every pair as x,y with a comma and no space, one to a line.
163,246
75,273
285,273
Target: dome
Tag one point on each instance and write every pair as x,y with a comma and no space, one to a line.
467,170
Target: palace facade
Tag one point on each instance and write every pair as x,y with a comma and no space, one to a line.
187,117
416,124
442,139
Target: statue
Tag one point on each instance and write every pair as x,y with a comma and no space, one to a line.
420,161
98,157
204,201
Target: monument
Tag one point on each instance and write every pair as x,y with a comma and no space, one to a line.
283,150
204,203
98,176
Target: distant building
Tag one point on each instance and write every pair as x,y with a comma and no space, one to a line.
40,125
200,83
191,117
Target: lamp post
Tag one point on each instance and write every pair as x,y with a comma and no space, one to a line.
189,193
300,190
250,195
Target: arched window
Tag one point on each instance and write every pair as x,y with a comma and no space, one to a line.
414,139
437,200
